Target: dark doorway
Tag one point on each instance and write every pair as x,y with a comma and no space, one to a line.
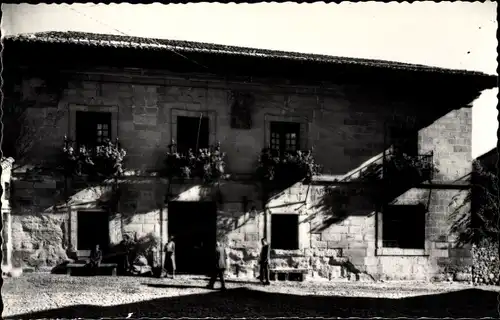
194,226
92,229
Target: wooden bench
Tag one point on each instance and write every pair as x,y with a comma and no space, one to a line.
79,266
286,272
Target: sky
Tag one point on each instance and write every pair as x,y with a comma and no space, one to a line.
457,35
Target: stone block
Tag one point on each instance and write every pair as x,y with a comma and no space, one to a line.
354,237
234,236
441,245
369,236
331,237
460,253
354,253
440,253
357,244
332,252
299,262
316,237
45,185
370,261
286,253
251,236
332,244
319,244
355,229
279,263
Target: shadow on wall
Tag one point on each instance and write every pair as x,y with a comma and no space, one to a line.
41,226
474,217
349,197
139,196
360,192
145,246
471,303
368,188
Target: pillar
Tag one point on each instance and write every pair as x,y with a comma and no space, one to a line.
5,180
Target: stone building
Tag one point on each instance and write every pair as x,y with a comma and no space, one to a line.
351,113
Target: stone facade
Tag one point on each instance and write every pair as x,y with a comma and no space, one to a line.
346,127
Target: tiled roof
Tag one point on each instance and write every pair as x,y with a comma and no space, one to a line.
117,41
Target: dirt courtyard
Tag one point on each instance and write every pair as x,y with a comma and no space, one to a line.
40,295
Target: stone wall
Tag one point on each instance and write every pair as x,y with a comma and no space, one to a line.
43,226
347,128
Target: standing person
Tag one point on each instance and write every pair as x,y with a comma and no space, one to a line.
95,259
127,253
220,266
264,262
170,257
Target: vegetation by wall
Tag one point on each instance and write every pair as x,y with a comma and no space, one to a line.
486,267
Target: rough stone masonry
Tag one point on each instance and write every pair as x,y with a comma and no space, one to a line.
346,128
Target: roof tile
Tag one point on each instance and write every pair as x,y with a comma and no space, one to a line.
121,41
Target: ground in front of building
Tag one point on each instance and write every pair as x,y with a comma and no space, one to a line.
41,295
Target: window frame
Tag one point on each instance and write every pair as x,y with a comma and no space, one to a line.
282,129
304,139
194,110
396,251
205,118
73,109
99,139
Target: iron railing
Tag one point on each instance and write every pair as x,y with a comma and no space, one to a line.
409,167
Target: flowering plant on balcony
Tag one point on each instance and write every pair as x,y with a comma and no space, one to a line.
292,166
404,165
105,160
207,164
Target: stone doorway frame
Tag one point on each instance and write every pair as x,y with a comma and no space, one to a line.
74,228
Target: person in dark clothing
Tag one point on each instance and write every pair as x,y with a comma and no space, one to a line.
170,257
95,259
127,252
264,262
219,266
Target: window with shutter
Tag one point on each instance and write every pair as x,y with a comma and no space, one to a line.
92,128
284,137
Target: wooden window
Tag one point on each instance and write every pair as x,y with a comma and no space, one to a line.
285,231
92,128
284,137
403,227
192,133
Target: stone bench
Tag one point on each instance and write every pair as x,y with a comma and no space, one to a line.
80,266
286,272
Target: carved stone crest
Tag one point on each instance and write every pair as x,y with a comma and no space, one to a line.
242,107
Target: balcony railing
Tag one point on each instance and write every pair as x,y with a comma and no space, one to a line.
104,160
410,168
